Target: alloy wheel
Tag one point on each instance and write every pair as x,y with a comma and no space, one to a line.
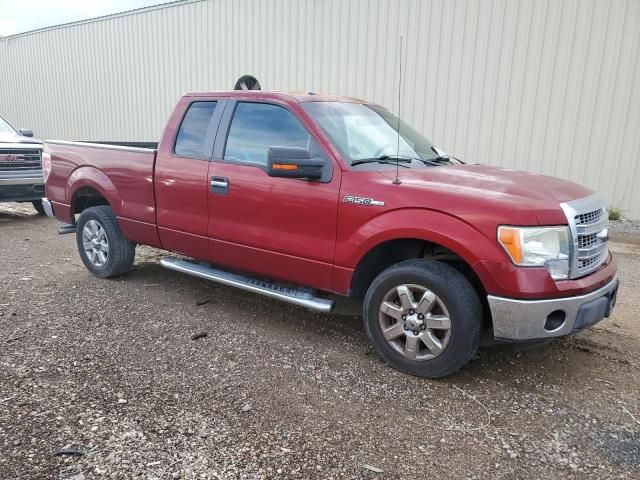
95,243
415,322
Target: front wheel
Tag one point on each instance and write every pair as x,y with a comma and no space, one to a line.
423,317
103,249
37,204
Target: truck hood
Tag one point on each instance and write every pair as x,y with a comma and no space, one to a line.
533,195
7,138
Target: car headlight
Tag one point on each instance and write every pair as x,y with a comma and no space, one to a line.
538,247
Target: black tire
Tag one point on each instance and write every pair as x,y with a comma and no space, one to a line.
121,251
37,204
455,292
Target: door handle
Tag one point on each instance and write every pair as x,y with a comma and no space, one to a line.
219,185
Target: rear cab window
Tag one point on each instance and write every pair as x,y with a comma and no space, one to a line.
192,133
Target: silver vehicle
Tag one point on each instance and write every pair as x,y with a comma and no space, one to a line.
20,166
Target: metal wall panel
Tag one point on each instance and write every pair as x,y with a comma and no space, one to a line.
550,86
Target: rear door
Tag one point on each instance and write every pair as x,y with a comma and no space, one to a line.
181,176
281,228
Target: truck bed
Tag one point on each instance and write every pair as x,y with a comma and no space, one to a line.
123,173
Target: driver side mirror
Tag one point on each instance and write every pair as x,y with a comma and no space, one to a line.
26,132
294,162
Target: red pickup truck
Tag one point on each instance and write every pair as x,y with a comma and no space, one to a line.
295,196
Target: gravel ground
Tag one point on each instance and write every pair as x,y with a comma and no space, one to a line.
625,230
101,379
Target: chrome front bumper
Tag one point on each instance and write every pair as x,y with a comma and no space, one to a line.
17,180
46,205
523,320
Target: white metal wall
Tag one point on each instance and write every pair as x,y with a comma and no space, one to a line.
549,86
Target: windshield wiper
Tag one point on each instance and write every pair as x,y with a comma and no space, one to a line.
434,162
391,159
439,158
387,159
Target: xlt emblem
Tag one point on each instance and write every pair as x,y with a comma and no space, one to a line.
362,201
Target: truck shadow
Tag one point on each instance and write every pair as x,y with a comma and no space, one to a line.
345,321
17,212
549,363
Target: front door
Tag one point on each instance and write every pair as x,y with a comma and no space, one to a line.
280,228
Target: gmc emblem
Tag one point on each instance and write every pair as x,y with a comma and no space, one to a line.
8,158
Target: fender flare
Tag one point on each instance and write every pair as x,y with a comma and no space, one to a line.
88,176
448,231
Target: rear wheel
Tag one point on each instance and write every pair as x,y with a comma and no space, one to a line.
103,249
423,317
37,204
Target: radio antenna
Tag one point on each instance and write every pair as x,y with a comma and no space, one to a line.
396,181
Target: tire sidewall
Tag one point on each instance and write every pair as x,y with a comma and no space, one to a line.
465,329
37,205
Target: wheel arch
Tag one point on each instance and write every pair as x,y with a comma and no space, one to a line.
412,232
391,251
89,187
387,240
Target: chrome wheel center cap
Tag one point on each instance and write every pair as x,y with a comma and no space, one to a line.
413,322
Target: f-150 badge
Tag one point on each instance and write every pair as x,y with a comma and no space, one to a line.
362,201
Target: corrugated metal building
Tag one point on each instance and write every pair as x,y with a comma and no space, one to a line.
550,86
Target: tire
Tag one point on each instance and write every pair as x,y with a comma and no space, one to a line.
37,204
108,254
427,348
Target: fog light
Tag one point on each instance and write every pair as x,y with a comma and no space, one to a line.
555,320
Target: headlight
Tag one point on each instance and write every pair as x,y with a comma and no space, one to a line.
538,247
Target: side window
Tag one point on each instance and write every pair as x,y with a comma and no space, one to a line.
193,129
256,127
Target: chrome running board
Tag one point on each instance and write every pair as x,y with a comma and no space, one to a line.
296,296
65,229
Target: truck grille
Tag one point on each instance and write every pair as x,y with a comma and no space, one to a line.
587,241
14,160
589,218
588,224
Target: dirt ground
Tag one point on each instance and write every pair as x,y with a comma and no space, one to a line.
101,379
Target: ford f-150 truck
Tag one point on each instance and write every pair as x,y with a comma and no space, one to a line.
20,166
295,196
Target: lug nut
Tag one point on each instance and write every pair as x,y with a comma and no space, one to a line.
424,327
415,332
404,317
411,312
406,328
421,317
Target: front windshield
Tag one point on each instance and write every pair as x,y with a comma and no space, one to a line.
367,132
6,128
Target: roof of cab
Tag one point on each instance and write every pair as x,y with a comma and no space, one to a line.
297,97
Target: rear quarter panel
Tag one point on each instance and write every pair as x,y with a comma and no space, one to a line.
124,177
